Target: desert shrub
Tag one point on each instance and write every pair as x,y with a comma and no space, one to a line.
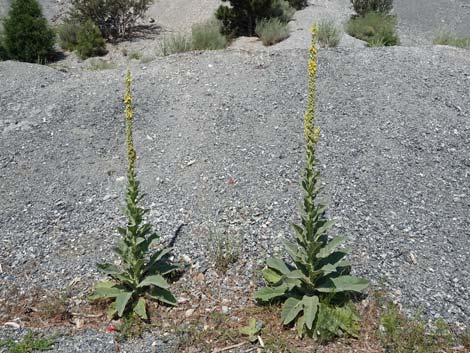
67,35
115,19
446,38
362,7
27,35
315,285
241,18
176,43
142,270
298,4
207,36
272,31
329,35
89,41
374,28
96,64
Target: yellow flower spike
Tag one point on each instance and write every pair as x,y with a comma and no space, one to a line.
129,110
311,133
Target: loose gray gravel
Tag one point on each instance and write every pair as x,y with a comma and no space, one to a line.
394,156
421,20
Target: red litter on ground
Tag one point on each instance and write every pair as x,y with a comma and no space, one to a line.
111,328
231,181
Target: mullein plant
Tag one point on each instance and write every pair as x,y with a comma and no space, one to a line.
141,274
315,287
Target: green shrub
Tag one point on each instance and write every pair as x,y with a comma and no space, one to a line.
241,18
298,4
374,28
362,7
176,43
272,31
99,64
89,41
207,36
27,35
315,285
142,271
67,34
115,19
446,38
329,35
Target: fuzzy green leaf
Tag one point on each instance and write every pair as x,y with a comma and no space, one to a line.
109,269
350,283
267,293
330,247
103,292
140,309
292,308
121,302
162,295
300,325
343,284
111,310
271,276
162,267
278,265
156,280
310,310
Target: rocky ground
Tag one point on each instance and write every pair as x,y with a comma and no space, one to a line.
219,138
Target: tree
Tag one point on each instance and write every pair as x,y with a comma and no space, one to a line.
241,17
27,35
114,18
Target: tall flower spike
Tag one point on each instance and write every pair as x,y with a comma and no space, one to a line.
311,132
131,153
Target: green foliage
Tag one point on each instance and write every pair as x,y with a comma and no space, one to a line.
136,56
329,35
298,4
29,343
89,41
115,19
251,330
241,18
375,28
27,35
403,335
362,7
207,36
446,38
142,271
67,35
224,250
99,64
315,285
272,31
176,43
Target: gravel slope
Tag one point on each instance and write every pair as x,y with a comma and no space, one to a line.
420,20
395,146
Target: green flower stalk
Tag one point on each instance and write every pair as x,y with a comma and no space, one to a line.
141,273
315,286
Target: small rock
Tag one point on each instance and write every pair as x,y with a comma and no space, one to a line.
225,309
189,313
12,324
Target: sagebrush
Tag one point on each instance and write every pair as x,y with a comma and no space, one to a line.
115,19
242,16
375,28
362,7
175,43
272,31
329,35
208,36
447,38
142,270
315,286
